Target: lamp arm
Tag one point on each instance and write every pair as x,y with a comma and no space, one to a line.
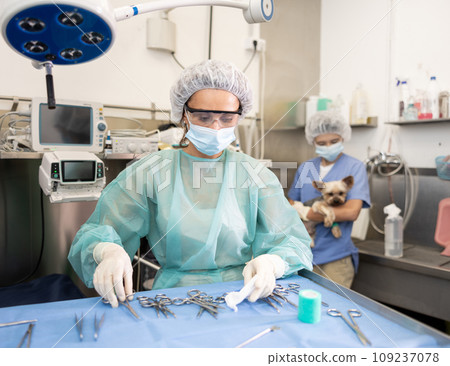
255,11
126,12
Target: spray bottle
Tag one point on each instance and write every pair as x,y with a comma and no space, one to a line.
393,232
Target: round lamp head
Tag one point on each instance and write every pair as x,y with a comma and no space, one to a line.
64,32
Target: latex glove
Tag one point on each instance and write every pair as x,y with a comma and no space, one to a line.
302,210
268,267
113,277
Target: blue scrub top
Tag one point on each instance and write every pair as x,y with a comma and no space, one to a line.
328,248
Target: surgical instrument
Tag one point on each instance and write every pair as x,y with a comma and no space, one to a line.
159,303
268,330
27,335
79,324
267,301
126,304
294,287
98,325
130,308
17,323
352,313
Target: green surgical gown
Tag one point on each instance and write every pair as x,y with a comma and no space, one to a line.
203,218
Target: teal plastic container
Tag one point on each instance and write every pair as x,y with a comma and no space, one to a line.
309,306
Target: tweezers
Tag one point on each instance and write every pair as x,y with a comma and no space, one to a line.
27,334
79,324
98,325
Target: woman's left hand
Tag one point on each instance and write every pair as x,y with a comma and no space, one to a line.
268,267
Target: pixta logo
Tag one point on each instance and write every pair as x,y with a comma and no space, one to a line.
141,177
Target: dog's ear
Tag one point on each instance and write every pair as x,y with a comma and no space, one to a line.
317,184
348,181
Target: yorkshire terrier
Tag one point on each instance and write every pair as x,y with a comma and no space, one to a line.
334,194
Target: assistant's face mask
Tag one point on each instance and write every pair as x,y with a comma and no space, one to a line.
331,152
209,141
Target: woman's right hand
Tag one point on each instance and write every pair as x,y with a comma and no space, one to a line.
113,277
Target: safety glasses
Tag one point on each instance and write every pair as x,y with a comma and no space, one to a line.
206,118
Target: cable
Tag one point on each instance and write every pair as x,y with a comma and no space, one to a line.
126,132
127,118
386,160
176,60
255,45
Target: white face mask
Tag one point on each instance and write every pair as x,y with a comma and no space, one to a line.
209,141
331,152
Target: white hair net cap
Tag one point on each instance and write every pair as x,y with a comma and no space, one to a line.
210,74
327,122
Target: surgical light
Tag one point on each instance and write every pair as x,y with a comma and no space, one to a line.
68,32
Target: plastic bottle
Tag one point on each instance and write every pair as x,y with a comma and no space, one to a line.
311,106
411,112
393,232
108,144
404,98
359,106
433,95
339,105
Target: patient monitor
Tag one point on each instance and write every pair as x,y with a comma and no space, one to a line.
68,176
72,125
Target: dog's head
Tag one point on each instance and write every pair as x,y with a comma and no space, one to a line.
334,193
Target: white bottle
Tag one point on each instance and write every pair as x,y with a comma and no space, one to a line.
359,106
433,95
311,106
393,232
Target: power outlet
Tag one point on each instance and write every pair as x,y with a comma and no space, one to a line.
260,44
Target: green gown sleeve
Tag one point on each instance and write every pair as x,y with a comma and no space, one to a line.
121,216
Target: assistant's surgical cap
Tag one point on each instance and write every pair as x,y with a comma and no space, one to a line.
327,122
210,74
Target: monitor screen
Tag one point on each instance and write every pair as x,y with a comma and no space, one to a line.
78,171
65,125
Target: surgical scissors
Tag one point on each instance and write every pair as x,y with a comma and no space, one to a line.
295,288
353,313
27,335
159,303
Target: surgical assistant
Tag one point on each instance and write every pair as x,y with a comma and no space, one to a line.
209,214
335,258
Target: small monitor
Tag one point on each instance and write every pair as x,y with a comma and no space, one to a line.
78,171
72,125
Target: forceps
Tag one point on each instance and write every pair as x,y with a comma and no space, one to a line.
126,304
27,335
353,313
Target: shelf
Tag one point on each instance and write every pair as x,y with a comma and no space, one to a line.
419,122
363,125
20,155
